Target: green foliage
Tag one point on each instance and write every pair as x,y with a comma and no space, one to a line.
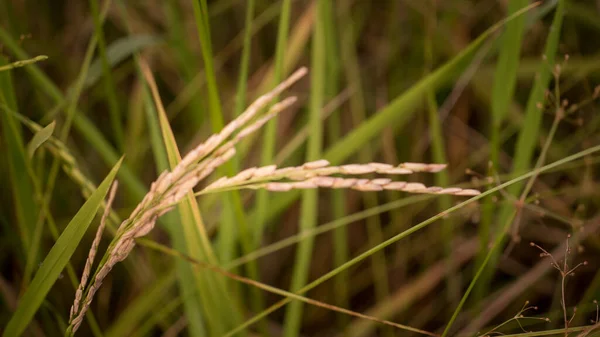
39,138
57,258
135,86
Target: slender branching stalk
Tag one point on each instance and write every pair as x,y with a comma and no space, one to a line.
565,271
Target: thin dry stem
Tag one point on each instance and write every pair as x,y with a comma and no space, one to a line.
519,316
253,283
564,271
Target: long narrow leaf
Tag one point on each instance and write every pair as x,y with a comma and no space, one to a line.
505,77
40,138
529,134
18,162
57,258
212,289
396,113
187,280
310,198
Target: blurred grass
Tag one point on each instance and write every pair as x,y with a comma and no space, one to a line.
438,149
341,288
503,88
378,77
357,107
109,85
269,138
310,199
22,186
527,140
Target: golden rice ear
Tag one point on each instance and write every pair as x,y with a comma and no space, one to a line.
319,174
364,185
213,142
171,187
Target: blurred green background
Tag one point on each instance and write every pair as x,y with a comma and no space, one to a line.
475,84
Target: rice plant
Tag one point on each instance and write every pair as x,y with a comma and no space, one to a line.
288,168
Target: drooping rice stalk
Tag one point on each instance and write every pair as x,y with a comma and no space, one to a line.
171,187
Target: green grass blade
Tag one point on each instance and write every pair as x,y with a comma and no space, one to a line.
70,167
527,140
186,59
174,157
416,228
233,225
187,280
358,108
24,182
341,286
308,213
505,76
40,138
269,137
214,102
283,27
211,288
142,306
505,79
109,85
526,144
57,258
23,191
396,113
242,85
257,301
438,151
232,202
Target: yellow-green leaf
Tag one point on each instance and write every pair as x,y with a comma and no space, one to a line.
40,138
57,258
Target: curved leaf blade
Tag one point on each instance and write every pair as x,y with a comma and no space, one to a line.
40,138
57,258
